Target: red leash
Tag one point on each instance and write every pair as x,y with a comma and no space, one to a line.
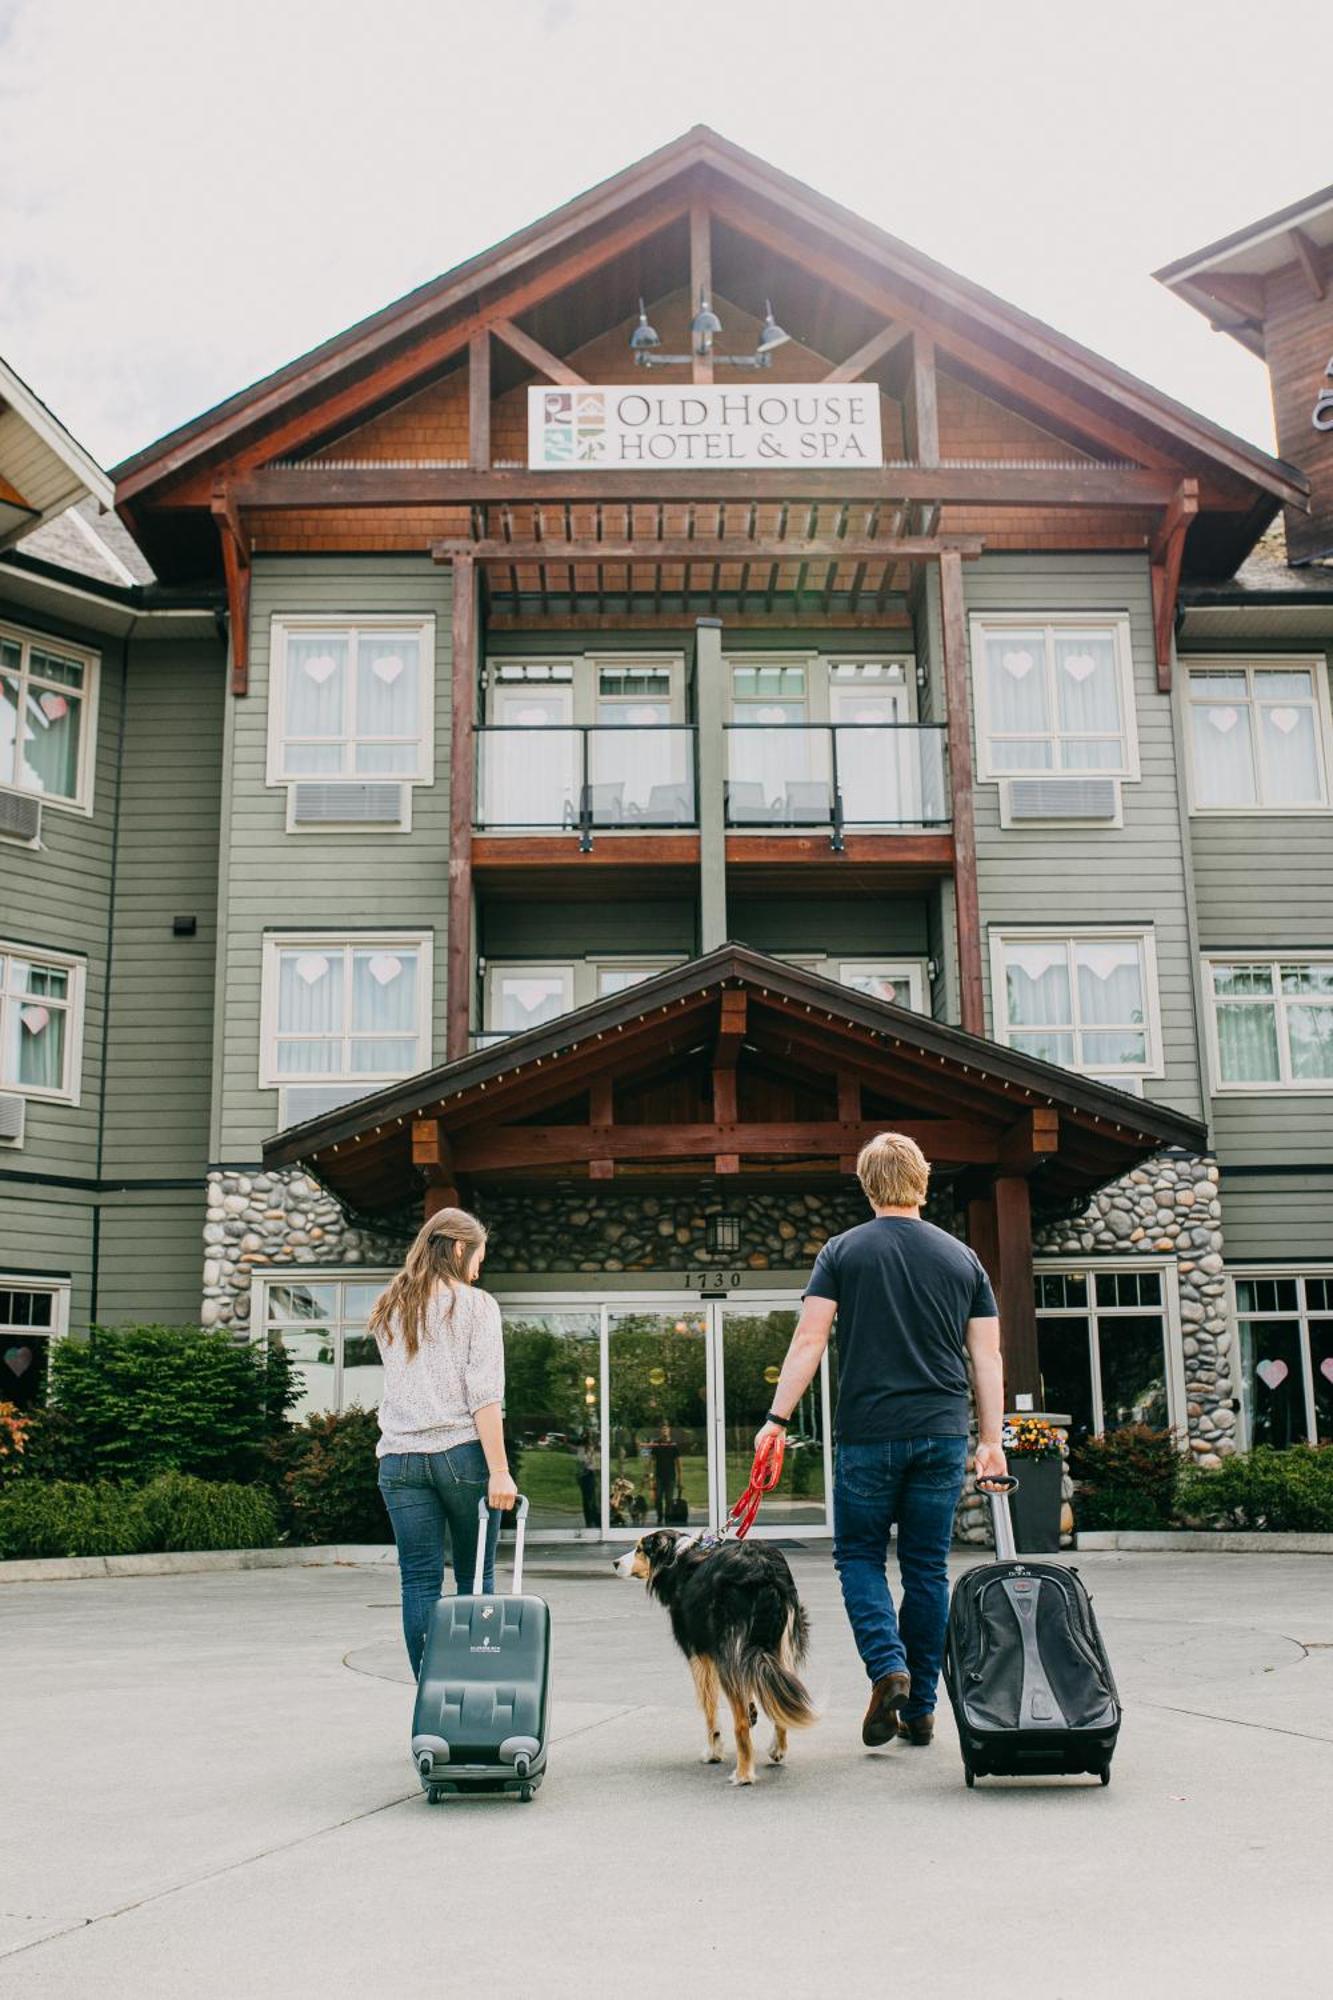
764,1476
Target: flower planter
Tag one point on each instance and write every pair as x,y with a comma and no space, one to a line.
1035,1507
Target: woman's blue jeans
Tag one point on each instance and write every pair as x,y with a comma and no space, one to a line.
914,1482
431,1494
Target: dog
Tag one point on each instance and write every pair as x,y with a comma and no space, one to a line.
737,1618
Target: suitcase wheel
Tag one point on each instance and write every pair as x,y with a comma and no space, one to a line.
969,1776
526,1794
1105,1774
434,1793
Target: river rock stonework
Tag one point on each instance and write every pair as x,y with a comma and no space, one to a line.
605,1233
259,1220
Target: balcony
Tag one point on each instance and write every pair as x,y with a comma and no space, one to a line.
586,779
868,777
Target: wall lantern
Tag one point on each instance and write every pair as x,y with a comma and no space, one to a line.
645,341
723,1235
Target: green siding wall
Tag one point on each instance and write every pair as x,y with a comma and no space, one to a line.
49,1233
150,1258
1277,1217
852,926
1130,875
275,881
577,930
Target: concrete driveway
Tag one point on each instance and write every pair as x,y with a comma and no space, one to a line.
206,1791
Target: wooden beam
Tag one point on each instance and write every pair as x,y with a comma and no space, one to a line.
1310,258
983,1235
430,1144
726,1163
730,1028
462,769
479,400
868,353
438,1197
601,1170
236,572
701,280
951,1141
959,710
537,357
323,486
601,1100
1018,1313
1165,558
1030,1140
696,549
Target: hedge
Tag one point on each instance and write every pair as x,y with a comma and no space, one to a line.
60,1517
1283,1491
1126,1478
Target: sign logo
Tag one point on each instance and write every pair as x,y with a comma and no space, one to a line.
1321,417
780,424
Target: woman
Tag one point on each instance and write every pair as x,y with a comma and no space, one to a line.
441,1445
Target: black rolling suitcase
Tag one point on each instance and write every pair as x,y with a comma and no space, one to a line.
482,1695
1032,1690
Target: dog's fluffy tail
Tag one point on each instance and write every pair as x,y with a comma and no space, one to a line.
751,1673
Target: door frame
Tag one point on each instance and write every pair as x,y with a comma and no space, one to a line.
711,1309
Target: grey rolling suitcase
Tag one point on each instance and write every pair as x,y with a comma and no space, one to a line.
1028,1678
482,1695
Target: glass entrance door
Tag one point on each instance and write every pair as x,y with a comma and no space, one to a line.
628,1414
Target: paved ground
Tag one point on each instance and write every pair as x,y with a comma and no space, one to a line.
205,1791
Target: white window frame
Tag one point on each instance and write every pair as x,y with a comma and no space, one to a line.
582,977
313,1274
1284,1084
1302,1314
59,1289
985,624
76,970
26,637
832,966
1142,934
1251,664
581,673
1165,1267
286,626
345,942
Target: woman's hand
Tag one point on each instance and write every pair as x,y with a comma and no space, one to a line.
501,1491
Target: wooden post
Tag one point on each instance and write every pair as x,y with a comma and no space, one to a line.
1018,1313
479,400
237,572
983,1235
437,1198
953,629
711,737
701,281
462,765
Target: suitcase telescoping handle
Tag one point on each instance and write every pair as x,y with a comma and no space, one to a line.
997,1491
520,1524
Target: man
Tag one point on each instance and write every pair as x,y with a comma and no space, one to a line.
665,1454
913,1305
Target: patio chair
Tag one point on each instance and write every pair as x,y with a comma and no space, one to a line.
809,802
606,804
669,805
747,803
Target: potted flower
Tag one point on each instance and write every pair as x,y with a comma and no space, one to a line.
1034,1449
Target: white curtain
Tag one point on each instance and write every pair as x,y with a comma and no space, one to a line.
1110,996
388,686
1016,699
526,999
310,995
1288,734
1247,1043
315,702
1310,1019
530,766
1088,697
34,1051
384,1012
1039,1000
1223,751
625,763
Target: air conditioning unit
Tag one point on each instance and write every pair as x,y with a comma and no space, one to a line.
311,1100
1040,801
20,817
349,806
13,1109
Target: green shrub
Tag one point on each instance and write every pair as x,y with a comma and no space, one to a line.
59,1518
177,1512
327,1476
1126,1479
1288,1490
136,1401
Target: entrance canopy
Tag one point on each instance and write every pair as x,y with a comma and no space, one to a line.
733,1065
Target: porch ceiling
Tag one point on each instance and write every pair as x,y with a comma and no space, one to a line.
733,1065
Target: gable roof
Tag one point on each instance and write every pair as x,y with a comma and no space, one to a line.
965,306
43,469
1207,278
363,1151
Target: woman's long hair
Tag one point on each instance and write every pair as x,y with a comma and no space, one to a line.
443,1249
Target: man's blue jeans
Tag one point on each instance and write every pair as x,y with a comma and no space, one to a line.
430,1494
914,1482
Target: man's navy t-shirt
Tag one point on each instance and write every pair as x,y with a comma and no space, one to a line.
905,1292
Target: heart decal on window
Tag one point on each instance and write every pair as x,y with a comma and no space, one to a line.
382,968
1018,665
388,669
320,667
1223,719
1284,719
1079,665
18,1360
53,706
310,967
35,1019
1272,1373
1326,1368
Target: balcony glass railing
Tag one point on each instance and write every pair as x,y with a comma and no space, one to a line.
837,774
586,778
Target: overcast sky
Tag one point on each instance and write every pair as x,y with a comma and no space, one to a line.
192,192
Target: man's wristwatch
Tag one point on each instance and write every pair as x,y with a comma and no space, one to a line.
774,1418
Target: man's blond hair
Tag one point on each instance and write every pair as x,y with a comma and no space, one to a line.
893,1171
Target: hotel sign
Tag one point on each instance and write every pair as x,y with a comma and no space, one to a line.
780,424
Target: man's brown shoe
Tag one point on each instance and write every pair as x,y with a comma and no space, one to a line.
918,1729
881,1718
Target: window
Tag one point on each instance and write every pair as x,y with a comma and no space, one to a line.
1086,1000
48,715
1104,1350
320,1318
33,1313
1271,1022
353,1010
1054,695
524,996
900,980
352,700
1286,1355
41,1023
1258,736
